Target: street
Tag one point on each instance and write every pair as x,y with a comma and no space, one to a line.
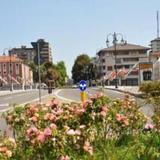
20,98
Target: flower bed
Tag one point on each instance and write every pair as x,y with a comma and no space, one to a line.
99,129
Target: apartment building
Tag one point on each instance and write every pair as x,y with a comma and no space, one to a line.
31,54
24,53
127,60
44,49
13,70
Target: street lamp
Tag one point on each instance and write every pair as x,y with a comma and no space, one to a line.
39,72
10,72
10,67
115,41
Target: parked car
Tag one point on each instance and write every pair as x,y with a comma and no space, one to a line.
74,86
43,86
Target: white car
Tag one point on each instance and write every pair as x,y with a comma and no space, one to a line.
43,86
74,86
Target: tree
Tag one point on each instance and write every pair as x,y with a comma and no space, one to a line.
62,71
49,73
79,68
34,69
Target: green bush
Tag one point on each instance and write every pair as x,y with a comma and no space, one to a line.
100,129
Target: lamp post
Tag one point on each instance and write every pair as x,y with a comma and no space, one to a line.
10,67
39,72
115,41
10,72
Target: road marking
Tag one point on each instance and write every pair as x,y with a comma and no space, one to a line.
4,105
60,97
7,97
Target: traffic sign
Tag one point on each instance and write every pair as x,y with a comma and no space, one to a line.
82,85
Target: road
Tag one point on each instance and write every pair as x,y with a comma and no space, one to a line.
20,98
74,94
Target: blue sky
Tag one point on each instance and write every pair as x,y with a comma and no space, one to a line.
76,26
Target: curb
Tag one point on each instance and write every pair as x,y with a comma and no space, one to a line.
139,95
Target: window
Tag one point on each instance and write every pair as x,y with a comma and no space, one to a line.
104,67
147,75
118,60
127,66
4,68
17,68
103,60
130,59
109,68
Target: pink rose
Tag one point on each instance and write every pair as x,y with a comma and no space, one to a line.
119,117
52,117
46,116
105,108
31,131
53,126
149,126
77,132
41,137
64,158
34,119
88,148
47,132
103,113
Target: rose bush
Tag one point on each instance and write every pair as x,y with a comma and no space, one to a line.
97,129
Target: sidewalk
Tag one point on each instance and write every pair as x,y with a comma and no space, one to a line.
133,90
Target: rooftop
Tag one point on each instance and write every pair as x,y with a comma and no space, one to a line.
126,47
12,58
156,39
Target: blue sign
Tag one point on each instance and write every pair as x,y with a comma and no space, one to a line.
82,85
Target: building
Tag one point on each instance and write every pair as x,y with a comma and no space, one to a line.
14,71
155,59
31,54
44,51
155,45
156,70
128,57
24,53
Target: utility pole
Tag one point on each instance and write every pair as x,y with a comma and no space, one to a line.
39,73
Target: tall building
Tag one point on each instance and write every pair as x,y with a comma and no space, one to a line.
24,53
128,57
31,54
44,49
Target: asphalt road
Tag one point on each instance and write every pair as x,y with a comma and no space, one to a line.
74,94
20,98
